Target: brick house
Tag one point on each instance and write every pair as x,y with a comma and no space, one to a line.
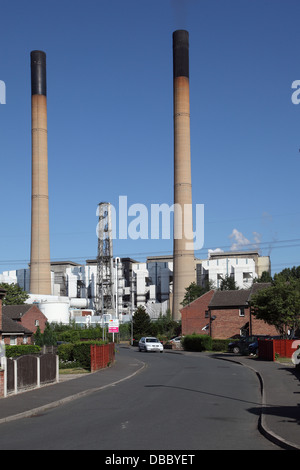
2,294
13,333
28,315
224,314
194,317
10,331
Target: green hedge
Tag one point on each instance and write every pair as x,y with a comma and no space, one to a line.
197,343
16,351
73,336
78,354
204,343
220,344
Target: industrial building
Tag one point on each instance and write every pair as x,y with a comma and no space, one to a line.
109,285
150,284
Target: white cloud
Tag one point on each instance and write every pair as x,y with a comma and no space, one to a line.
217,250
239,241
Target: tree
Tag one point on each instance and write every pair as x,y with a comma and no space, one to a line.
279,305
265,277
15,295
228,283
38,337
141,323
165,325
289,273
48,338
194,291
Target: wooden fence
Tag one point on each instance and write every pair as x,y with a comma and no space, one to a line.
102,356
28,371
269,348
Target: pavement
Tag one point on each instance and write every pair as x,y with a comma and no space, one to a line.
279,420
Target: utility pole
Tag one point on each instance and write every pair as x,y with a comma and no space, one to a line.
105,302
132,291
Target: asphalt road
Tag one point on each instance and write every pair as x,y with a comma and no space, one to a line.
178,401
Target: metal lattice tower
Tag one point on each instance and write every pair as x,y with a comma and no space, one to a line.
105,302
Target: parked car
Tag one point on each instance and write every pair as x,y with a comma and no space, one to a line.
242,346
253,347
149,343
176,340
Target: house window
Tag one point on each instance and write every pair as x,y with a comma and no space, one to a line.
242,312
36,323
25,339
13,340
206,314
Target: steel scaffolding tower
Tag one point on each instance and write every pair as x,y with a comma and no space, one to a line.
105,302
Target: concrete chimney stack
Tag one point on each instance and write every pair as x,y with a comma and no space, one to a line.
40,272
183,252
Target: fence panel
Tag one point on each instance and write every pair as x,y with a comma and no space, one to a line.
102,356
47,368
10,374
27,371
266,350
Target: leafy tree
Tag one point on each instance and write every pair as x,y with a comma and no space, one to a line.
166,326
289,273
265,277
228,283
193,292
141,323
279,305
48,338
38,337
15,295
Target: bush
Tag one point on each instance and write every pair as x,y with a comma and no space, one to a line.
197,343
91,333
82,353
69,336
77,334
16,351
220,344
76,354
65,352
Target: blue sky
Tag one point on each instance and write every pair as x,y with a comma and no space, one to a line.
110,125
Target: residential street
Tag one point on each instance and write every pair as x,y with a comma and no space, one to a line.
178,401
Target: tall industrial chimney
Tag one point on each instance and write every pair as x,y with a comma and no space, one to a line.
183,252
40,272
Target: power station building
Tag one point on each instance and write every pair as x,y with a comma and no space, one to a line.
149,284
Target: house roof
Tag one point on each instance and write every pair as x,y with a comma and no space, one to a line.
258,286
230,298
10,326
15,312
236,298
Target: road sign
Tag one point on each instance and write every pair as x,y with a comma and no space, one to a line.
113,326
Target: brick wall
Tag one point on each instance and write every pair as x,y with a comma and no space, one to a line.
193,315
259,327
20,340
228,322
29,319
1,383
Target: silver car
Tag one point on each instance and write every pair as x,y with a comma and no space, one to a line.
149,343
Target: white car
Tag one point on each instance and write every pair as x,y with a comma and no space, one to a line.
176,340
149,343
